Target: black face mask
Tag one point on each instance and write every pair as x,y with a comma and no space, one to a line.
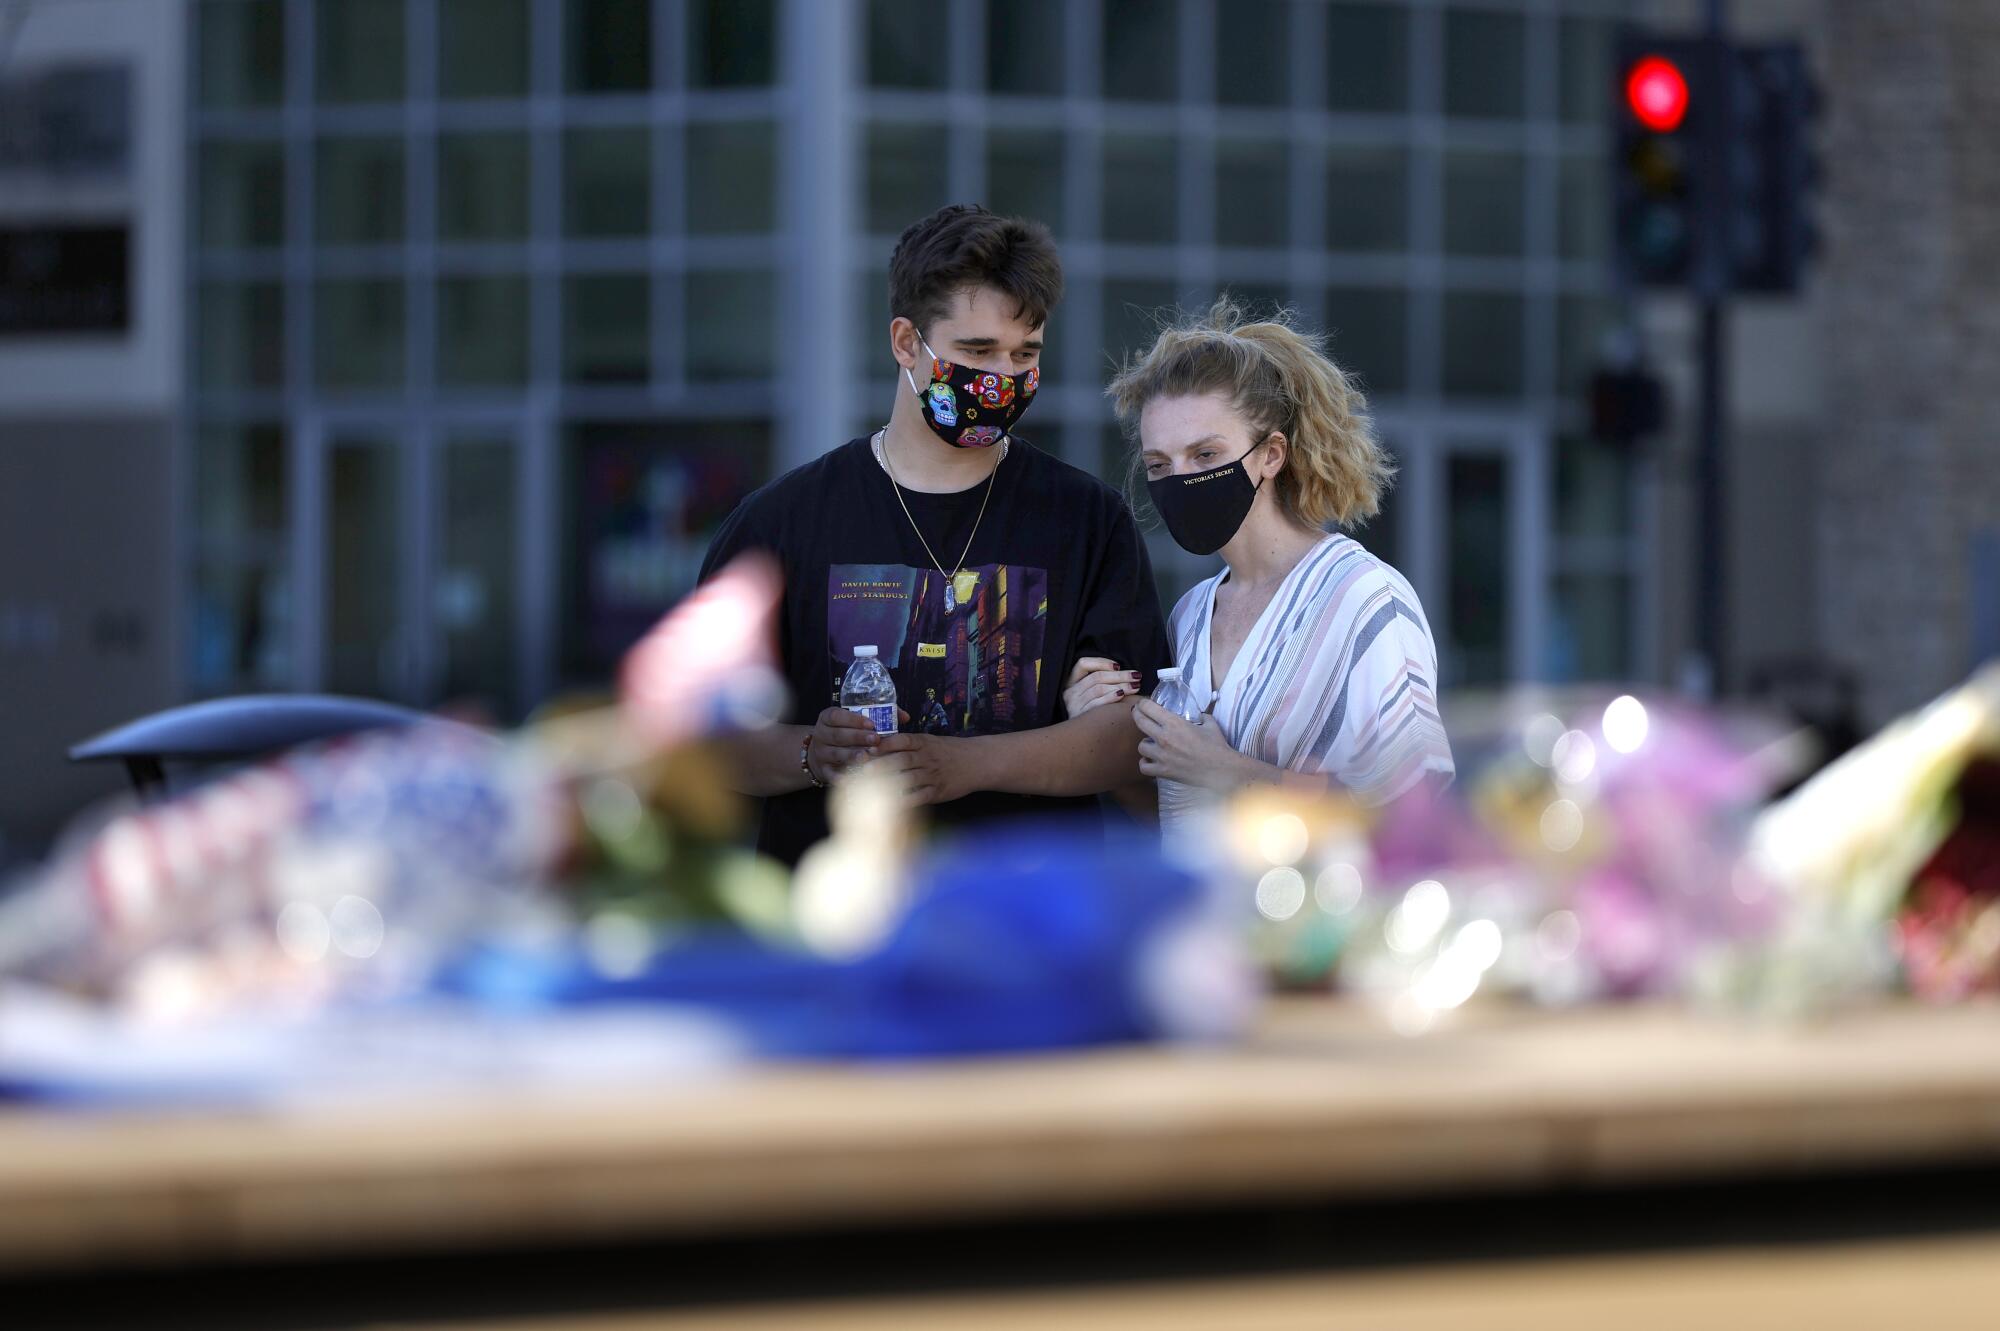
1203,509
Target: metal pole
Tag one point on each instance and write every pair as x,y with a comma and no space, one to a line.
1711,603
1712,281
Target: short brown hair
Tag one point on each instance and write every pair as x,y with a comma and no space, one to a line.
1278,378
962,247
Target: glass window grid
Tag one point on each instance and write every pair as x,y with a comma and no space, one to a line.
668,253
1303,271
1540,276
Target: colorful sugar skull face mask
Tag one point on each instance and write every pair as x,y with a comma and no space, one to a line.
970,408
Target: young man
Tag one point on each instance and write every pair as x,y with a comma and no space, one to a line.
977,565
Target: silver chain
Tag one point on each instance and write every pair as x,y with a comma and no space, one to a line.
882,456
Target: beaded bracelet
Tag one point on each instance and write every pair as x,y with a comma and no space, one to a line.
805,752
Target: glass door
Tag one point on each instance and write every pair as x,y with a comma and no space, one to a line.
1471,532
411,562
1495,536
370,637
472,572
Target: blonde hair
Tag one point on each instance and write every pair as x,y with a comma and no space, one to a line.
1277,378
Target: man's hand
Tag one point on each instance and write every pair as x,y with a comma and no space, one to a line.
1081,756
1192,754
932,769
840,739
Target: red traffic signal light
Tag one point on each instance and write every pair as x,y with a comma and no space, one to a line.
1657,218
1657,93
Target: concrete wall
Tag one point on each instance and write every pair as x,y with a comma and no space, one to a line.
1771,476
84,597
88,553
140,372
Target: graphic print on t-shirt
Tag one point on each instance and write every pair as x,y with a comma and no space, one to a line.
967,658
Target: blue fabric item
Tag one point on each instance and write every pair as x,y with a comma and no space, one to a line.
1021,937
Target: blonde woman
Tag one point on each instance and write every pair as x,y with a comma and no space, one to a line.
1310,659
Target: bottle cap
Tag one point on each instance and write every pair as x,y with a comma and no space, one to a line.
1169,672
863,653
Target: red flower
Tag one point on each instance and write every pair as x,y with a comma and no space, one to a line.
1949,928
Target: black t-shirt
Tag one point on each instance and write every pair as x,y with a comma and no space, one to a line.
1056,570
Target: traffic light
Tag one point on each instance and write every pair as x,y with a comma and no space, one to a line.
1713,164
1774,169
1661,112
1627,404
1656,92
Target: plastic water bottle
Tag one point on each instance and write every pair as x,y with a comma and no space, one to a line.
1174,695
1178,802
867,689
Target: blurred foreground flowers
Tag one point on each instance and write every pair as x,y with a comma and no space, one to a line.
571,904
1906,828
1614,847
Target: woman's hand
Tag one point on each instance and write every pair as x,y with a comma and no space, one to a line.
1194,754
1094,681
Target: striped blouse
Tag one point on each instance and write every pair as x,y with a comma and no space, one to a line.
1338,675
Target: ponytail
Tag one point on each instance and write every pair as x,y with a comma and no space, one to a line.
1278,379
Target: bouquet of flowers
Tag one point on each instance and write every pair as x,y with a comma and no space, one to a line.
1899,842
1590,848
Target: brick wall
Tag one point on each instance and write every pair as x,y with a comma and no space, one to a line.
1910,463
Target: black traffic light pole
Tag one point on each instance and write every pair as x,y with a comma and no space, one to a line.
1714,174
1711,289
1711,609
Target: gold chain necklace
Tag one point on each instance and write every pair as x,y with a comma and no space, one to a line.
951,578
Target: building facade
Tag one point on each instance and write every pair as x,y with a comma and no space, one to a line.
413,347
498,305
91,259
